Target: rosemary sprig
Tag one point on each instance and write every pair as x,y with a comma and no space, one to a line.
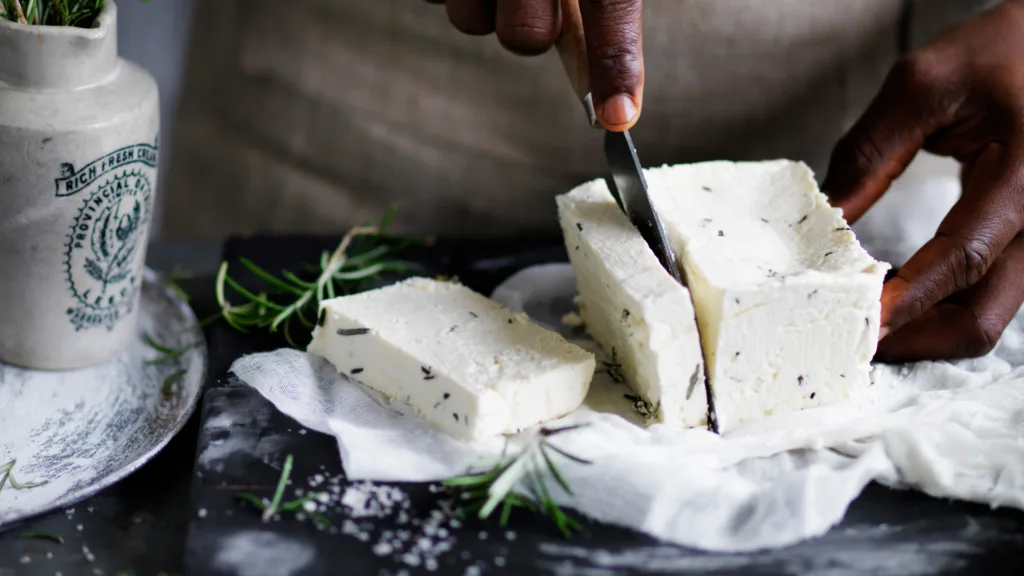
275,505
484,492
42,536
170,381
269,512
167,353
7,475
290,298
78,13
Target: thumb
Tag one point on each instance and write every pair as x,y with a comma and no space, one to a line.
881,144
615,54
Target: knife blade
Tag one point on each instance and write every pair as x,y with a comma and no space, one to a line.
629,187
627,182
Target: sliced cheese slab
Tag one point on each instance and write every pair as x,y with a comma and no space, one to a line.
468,365
640,316
787,300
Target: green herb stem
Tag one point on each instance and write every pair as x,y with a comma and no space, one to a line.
484,492
42,536
269,512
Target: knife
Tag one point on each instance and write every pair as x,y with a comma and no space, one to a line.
627,182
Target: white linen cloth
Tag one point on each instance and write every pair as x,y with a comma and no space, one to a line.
949,429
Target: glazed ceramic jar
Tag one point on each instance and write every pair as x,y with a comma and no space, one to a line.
79,131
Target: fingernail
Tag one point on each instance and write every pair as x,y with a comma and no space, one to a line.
618,110
882,332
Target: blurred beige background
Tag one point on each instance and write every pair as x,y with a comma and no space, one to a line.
310,119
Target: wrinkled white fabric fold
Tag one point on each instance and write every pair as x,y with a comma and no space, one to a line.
953,430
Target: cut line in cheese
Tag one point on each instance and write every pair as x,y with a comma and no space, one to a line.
467,364
640,316
787,301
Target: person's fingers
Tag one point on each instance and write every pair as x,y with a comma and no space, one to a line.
977,229
474,17
613,30
913,102
527,27
967,324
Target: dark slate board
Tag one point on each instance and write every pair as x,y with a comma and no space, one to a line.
885,532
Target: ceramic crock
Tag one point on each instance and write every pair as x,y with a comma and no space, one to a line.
79,131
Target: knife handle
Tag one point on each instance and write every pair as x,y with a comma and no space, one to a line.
572,49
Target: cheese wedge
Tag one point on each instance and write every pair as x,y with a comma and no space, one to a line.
468,365
640,316
786,299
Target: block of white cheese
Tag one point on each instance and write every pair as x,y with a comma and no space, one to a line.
468,365
641,317
787,300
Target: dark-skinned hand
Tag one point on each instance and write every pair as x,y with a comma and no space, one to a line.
961,96
613,35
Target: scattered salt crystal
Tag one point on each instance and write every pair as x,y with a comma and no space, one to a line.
300,516
510,535
302,432
88,554
49,555
309,506
411,559
455,523
472,571
483,535
318,478
25,560
382,548
79,527
430,564
499,561
89,509
465,554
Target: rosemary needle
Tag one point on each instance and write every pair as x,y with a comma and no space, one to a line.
269,511
170,381
275,505
7,476
42,536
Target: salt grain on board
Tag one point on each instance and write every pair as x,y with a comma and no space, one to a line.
419,542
